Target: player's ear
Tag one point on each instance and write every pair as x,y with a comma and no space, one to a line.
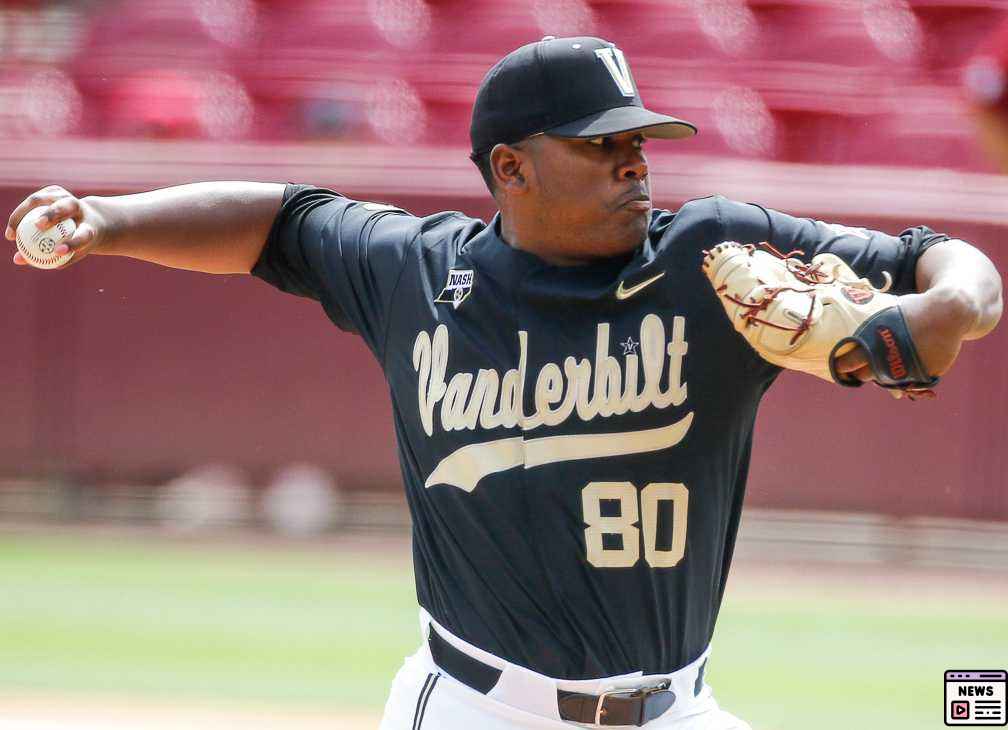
507,163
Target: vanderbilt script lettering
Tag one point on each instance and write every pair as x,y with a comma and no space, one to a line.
599,387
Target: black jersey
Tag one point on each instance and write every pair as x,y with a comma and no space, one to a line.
574,441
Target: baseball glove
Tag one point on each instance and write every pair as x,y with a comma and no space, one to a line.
803,316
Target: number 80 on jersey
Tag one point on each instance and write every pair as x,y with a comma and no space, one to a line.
625,552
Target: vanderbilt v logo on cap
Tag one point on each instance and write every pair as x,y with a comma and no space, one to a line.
564,87
615,63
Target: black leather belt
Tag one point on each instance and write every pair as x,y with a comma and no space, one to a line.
617,707
634,706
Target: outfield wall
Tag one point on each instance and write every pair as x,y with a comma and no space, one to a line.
122,369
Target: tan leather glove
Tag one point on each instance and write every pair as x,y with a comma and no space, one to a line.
804,316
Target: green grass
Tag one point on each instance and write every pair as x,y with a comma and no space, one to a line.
297,627
839,665
174,621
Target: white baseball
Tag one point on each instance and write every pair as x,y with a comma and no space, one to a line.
39,247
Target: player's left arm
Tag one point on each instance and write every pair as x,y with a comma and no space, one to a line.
961,275
959,297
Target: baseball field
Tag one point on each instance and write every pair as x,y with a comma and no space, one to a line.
116,631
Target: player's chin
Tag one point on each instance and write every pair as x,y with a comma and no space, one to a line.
633,225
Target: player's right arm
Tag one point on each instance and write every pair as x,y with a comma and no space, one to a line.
215,227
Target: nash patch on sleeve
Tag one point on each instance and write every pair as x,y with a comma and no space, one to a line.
459,286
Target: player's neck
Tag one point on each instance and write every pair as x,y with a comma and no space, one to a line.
513,237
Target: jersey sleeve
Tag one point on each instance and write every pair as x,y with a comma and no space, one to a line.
346,254
869,253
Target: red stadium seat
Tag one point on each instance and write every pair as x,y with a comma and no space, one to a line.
879,34
677,29
927,126
165,103
447,84
38,101
496,28
158,67
179,29
314,28
953,29
321,69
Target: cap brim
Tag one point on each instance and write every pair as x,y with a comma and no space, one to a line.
625,119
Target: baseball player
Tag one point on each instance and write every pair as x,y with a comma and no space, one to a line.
573,408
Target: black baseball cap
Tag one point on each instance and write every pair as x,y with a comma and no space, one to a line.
564,87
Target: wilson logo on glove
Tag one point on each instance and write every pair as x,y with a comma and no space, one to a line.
896,367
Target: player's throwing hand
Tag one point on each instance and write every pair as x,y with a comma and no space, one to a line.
61,205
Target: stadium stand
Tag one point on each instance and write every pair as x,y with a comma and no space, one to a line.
816,81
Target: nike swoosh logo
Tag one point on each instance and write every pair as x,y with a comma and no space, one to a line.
466,466
623,293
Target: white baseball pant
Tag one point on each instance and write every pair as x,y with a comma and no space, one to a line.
424,697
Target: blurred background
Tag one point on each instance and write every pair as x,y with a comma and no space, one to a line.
201,518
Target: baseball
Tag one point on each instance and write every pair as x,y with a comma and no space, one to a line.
39,247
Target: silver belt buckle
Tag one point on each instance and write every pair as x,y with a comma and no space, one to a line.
629,692
602,699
